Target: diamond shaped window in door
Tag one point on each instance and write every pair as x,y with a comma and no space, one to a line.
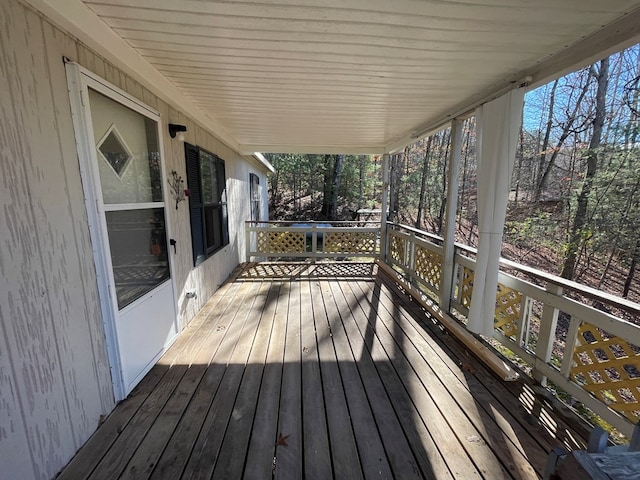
115,151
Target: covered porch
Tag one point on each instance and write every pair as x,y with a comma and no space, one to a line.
323,370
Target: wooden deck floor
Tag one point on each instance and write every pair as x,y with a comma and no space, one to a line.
321,371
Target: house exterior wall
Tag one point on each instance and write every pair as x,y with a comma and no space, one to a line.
55,380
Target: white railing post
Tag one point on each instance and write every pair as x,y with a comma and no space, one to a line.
446,283
247,241
547,332
384,206
314,241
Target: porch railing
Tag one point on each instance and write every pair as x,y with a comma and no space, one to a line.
279,239
581,340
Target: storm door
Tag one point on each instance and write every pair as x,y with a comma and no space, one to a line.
124,172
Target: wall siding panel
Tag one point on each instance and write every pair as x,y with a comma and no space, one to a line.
55,379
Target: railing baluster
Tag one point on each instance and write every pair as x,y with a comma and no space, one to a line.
411,253
547,332
524,322
570,344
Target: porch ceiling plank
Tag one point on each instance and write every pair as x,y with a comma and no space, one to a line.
235,353
479,438
432,60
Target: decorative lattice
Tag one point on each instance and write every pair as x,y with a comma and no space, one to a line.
466,287
507,314
350,242
281,242
428,266
397,249
609,368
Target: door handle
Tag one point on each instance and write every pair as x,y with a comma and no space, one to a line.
173,243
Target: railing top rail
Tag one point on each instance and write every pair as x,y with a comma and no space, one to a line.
588,292
431,236
311,222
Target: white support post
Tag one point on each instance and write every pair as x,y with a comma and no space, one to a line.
547,333
446,284
385,207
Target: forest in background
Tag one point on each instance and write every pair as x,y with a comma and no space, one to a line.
574,207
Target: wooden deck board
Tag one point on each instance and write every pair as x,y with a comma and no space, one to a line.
493,422
317,455
324,375
344,451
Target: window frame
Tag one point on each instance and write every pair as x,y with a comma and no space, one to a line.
254,197
208,216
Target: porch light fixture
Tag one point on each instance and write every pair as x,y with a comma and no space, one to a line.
177,129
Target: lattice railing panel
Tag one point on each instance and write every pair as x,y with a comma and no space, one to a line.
397,249
350,242
507,314
466,287
609,368
428,266
281,242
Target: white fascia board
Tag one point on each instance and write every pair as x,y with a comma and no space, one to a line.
78,20
264,162
312,149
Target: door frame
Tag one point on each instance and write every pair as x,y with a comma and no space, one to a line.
79,80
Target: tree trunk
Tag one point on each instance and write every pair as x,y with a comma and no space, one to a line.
325,211
335,185
579,221
632,270
443,194
545,143
423,184
397,165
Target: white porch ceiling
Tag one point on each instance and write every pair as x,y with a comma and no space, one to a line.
344,75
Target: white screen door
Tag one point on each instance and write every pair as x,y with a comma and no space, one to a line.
124,178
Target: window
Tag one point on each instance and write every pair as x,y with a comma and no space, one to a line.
207,202
254,196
